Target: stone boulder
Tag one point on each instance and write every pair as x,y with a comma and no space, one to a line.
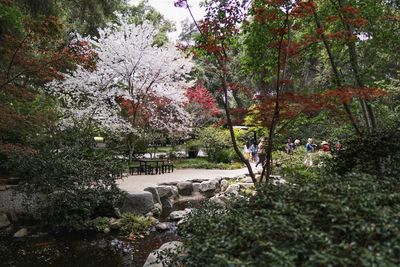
233,189
196,188
224,185
165,226
154,191
157,209
179,214
138,202
21,233
114,224
167,195
220,200
165,191
209,188
185,188
158,258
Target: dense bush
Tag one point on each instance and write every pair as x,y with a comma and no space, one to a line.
217,144
70,179
291,166
203,163
339,221
376,154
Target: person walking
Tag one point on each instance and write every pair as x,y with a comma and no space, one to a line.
254,151
289,146
309,149
262,152
296,143
246,151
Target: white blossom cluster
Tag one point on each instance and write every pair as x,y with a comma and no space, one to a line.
131,66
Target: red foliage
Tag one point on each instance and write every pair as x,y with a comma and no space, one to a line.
303,9
291,105
201,97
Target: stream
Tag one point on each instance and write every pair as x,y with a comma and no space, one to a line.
80,250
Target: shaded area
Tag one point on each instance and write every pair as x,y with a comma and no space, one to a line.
83,250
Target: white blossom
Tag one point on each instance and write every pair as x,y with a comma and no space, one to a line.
130,66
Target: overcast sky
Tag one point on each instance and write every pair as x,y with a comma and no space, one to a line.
166,7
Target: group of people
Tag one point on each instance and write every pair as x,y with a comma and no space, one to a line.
256,153
311,146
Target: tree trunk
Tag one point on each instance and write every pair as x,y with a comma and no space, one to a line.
336,73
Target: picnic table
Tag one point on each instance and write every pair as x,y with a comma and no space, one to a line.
153,166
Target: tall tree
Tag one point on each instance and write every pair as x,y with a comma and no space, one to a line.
133,82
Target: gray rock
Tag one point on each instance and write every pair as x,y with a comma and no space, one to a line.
175,193
197,180
154,191
209,188
220,200
164,226
165,191
185,188
173,183
21,233
218,179
196,188
179,214
167,205
114,224
233,189
4,222
157,209
157,255
138,202
224,185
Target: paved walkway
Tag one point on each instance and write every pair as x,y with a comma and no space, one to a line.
139,182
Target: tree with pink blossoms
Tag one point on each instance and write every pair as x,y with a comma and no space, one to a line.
134,84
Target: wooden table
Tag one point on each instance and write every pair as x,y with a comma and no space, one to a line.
145,166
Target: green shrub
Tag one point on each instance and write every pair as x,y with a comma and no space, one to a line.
72,179
292,166
134,224
335,221
226,155
376,154
217,144
203,163
99,223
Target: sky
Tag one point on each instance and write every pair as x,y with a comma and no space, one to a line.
166,7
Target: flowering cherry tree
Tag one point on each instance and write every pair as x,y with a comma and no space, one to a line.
133,83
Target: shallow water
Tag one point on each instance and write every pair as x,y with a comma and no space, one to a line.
79,250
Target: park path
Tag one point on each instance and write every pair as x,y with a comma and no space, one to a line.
136,182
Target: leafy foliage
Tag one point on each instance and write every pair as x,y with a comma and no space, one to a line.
70,179
216,143
336,221
375,154
204,163
134,224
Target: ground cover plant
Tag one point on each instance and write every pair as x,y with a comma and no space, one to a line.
204,163
335,221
